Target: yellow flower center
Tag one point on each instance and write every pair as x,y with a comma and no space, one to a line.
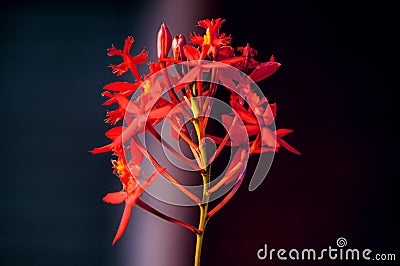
146,86
207,38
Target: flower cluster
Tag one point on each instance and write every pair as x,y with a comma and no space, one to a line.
149,107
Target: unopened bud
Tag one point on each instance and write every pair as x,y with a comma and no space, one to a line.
177,47
164,41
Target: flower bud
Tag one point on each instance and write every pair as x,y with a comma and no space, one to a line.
177,47
164,42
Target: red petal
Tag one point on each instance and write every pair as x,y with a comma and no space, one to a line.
129,203
227,82
288,147
190,76
196,39
114,132
235,130
191,53
263,149
114,51
223,39
264,70
204,23
272,59
246,116
114,144
128,43
273,109
268,137
152,178
119,69
232,60
252,129
237,164
121,86
115,197
124,223
136,154
177,119
283,131
159,112
218,140
106,148
226,52
123,102
140,58
162,102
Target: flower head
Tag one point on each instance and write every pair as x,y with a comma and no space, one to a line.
185,108
130,61
212,41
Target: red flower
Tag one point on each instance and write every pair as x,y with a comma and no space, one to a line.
141,105
212,40
266,113
132,189
130,61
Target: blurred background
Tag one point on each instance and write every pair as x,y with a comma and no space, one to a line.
334,89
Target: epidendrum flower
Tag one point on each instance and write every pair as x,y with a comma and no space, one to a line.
141,106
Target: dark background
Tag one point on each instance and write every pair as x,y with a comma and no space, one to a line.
335,89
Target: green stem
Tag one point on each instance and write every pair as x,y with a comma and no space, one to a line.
199,237
200,131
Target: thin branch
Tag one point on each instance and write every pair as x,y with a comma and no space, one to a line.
224,140
166,174
228,175
227,197
184,137
148,208
157,136
174,97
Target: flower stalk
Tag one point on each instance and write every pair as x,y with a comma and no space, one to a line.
200,131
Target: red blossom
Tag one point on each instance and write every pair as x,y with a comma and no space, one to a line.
212,41
141,105
130,61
